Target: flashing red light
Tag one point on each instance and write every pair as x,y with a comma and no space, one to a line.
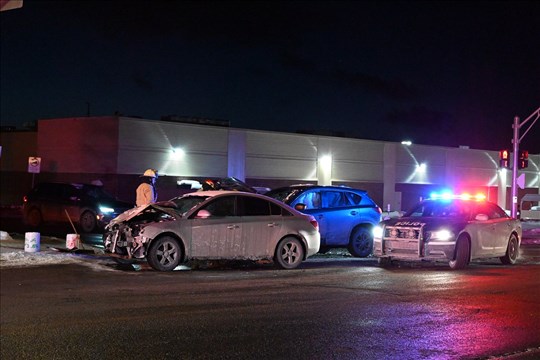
523,159
504,158
464,196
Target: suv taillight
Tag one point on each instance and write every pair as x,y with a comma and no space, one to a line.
25,199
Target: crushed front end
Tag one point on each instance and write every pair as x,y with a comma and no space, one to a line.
125,235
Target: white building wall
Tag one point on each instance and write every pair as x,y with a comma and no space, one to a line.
532,172
148,144
271,155
275,155
357,160
211,151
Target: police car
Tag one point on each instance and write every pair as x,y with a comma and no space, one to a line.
452,228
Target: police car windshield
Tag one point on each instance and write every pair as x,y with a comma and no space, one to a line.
443,209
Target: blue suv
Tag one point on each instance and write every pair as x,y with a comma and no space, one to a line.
346,216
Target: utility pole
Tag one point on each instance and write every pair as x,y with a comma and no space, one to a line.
515,142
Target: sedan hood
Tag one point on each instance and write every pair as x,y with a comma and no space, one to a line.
166,207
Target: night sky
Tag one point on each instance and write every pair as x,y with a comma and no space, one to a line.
437,73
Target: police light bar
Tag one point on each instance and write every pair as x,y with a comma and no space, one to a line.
464,196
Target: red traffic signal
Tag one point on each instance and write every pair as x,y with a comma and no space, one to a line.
504,158
523,161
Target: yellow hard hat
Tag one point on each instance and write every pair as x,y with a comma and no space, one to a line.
151,173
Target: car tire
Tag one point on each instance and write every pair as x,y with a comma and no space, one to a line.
87,221
384,261
34,218
461,258
289,253
361,242
512,251
165,254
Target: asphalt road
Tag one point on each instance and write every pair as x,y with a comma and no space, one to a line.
333,307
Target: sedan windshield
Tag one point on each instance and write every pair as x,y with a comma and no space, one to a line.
186,203
451,209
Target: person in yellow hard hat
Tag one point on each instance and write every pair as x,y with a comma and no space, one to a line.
146,192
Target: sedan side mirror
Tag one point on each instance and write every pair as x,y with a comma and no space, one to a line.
203,214
481,217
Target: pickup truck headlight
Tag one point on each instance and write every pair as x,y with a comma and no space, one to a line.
441,235
106,210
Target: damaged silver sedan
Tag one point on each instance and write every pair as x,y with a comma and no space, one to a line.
208,225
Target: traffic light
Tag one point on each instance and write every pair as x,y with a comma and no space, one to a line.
523,161
504,158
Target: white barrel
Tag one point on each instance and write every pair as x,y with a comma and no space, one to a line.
73,241
31,241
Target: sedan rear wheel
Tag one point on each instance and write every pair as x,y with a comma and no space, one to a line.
512,251
165,254
461,259
289,253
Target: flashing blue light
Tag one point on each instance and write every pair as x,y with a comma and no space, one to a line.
443,195
448,195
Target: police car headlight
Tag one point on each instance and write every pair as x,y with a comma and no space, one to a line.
377,232
106,210
441,235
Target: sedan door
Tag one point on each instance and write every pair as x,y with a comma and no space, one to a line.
261,227
217,234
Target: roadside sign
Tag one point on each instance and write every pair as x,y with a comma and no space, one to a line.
520,181
10,4
34,164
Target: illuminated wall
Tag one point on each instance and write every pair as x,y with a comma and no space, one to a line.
149,144
119,149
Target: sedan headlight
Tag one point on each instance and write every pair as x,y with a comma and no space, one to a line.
106,210
377,232
441,235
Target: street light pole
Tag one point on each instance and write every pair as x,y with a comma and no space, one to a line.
515,142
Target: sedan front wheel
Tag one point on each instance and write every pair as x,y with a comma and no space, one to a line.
165,254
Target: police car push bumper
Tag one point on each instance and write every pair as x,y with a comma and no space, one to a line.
406,241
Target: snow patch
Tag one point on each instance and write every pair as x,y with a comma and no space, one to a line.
5,236
25,259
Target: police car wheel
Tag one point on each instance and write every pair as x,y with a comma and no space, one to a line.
384,261
461,259
512,251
